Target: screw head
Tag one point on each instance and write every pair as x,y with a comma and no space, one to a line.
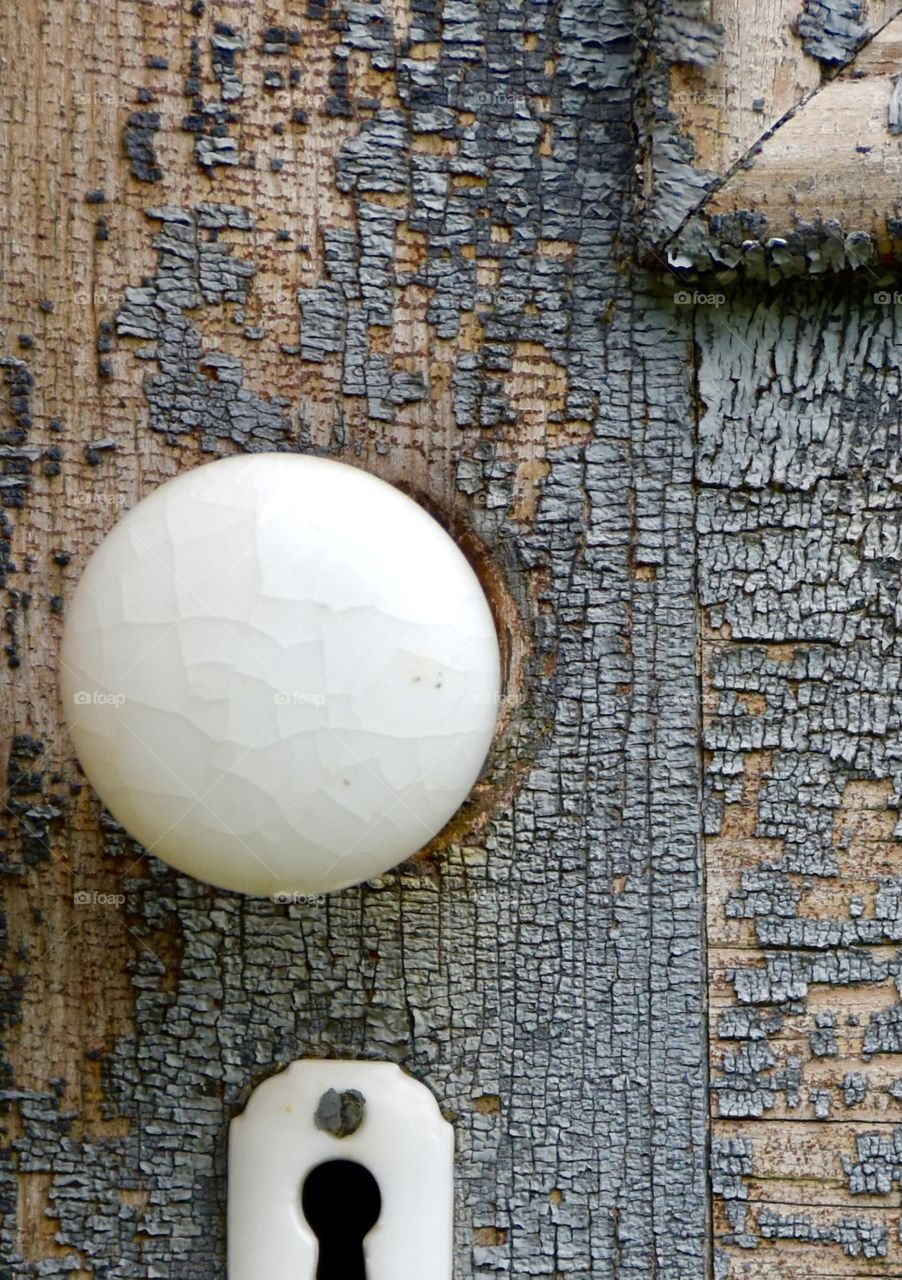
340,1114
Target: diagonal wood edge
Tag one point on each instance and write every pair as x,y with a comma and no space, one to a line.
822,191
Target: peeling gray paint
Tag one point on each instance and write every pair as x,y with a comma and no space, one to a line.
18,455
549,985
138,141
799,525
731,1161
832,30
856,1236
894,110
674,32
684,32
196,389
737,247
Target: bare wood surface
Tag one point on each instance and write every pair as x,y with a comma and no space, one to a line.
372,231
761,73
772,144
834,158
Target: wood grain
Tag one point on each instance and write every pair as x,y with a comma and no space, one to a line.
370,231
796,443
770,144
834,158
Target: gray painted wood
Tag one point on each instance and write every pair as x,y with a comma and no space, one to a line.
546,976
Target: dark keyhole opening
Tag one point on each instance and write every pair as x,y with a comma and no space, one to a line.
341,1201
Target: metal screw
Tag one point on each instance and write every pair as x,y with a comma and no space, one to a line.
340,1114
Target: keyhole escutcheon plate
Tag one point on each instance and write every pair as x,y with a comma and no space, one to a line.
315,1112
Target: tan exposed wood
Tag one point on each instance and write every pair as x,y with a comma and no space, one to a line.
834,157
39,1225
789,137
760,75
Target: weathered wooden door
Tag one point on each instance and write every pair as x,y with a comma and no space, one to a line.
415,237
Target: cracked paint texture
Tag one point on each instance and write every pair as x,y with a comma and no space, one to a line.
395,235
798,521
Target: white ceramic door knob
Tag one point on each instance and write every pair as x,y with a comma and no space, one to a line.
280,674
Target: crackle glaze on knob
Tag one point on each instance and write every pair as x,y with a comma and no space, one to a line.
280,674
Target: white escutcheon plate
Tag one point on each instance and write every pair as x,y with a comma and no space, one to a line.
403,1141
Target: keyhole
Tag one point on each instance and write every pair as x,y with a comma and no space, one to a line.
341,1201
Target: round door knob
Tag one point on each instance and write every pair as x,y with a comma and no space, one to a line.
280,674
